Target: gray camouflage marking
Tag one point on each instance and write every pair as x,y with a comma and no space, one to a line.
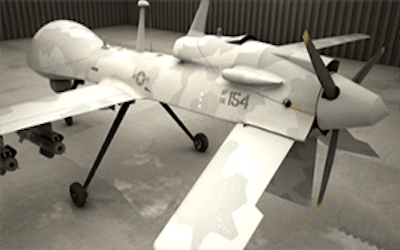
184,82
300,84
222,208
68,50
211,46
215,52
59,44
293,180
261,58
191,86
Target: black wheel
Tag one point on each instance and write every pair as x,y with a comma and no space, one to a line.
200,142
2,172
78,194
69,121
10,164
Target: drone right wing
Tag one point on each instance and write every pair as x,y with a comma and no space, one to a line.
220,211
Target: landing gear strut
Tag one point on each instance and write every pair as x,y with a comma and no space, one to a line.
77,191
69,121
200,140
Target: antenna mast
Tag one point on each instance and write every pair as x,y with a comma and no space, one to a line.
140,39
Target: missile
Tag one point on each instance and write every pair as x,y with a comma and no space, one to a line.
9,163
48,146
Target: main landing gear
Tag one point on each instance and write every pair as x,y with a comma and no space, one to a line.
69,121
200,140
79,193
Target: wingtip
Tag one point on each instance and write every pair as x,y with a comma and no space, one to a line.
306,37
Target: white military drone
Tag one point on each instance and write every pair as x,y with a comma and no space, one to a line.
279,97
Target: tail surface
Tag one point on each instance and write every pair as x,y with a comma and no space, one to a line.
198,26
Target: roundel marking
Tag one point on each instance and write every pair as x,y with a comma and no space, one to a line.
140,78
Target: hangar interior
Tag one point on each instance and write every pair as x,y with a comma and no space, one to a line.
151,164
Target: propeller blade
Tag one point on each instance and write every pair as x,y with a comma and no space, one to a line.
365,70
328,164
330,89
349,143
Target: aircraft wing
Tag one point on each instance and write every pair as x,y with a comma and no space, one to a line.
297,52
71,103
220,211
327,42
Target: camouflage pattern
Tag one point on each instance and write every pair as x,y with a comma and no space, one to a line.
226,219
293,180
58,48
325,42
192,86
191,78
67,104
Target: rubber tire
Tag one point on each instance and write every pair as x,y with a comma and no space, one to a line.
78,194
10,164
200,142
69,121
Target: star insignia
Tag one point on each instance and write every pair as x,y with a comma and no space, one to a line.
140,78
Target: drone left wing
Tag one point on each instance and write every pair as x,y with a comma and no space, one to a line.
327,42
297,52
220,211
71,103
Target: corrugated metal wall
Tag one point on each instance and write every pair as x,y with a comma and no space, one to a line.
274,21
21,19
284,21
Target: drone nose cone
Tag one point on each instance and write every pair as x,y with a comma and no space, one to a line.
354,107
59,43
378,111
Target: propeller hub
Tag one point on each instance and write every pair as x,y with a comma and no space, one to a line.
354,107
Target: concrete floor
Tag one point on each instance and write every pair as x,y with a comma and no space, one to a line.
151,166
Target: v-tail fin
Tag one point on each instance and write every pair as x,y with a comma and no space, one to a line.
198,26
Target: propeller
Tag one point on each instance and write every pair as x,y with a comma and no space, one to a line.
331,92
349,143
328,164
365,70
